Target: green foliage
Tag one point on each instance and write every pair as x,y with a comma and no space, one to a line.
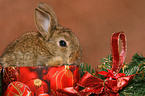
135,87
137,66
106,63
86,67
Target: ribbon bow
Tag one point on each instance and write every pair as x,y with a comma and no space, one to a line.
114,81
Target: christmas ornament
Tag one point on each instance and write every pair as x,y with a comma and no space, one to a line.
38,86
18,89
42,80
61,77
10,74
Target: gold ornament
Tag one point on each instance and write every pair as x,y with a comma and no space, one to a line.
37,82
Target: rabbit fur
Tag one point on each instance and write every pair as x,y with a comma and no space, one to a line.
52,45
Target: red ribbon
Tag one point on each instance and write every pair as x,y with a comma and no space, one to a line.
114,81
96,86
118,59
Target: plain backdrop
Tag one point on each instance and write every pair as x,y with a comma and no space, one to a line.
93,22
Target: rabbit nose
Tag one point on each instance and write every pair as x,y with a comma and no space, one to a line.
74,57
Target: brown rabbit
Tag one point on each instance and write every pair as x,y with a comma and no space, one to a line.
51,45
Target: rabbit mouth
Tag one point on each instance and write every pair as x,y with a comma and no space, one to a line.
74,57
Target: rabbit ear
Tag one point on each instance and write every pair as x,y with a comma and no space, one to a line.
45,20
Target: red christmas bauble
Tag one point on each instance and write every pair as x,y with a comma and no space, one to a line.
18,89
61,77
38,86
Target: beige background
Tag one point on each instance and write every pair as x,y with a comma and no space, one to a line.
93,21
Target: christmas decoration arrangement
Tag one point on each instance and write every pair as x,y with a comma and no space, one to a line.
115,77
37,81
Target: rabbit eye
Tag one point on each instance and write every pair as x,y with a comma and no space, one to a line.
62,43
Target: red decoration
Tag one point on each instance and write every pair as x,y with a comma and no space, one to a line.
61,77
27,73
38,86
111,74
118,59
10,74
18,89
41,80
94,85
114,81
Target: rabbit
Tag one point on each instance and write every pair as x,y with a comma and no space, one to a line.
52,45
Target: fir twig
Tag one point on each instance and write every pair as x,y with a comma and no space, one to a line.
86,67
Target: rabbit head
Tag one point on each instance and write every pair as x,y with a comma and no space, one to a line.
61,42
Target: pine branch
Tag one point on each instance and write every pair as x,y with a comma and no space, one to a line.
106,63
86,67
